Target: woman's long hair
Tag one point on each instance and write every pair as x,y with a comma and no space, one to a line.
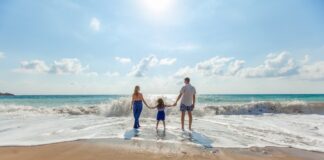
136,90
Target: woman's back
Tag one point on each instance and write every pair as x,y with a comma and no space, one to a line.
137,97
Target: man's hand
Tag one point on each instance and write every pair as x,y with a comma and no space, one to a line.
175,104
179,96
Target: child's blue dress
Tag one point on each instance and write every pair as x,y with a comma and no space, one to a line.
161,114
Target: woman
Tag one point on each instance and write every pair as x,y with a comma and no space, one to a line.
137,105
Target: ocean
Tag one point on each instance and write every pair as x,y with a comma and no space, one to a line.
284,120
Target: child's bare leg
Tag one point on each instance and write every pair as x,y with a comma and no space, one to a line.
157,124
164,124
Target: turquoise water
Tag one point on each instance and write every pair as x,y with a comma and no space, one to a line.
243,98
208,99
58,100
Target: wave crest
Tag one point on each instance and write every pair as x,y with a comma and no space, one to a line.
291,107
121,108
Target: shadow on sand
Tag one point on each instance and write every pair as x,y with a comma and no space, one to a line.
198,138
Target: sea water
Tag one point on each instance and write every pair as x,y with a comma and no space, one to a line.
219,120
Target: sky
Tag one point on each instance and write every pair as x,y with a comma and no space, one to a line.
109,46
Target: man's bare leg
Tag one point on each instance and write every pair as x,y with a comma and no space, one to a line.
190,119
182,119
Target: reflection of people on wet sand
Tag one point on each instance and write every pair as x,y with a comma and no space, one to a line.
188,94
161,114
160,134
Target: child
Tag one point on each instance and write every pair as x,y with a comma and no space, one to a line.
161,114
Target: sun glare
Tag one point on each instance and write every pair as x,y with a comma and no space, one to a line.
157,7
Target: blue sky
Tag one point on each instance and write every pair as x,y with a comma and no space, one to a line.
107,47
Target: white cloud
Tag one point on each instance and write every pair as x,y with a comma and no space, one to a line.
275,65
184,72
112,74
95,24
148,62
313,71
235,66
306,59
34,66
2,55
219,66
214,66
167,61
63,66
68,66
139,69
123,60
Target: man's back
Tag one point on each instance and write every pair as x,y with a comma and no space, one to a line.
187,94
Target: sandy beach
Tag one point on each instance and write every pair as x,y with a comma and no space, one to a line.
118,149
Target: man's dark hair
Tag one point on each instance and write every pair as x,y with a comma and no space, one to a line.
187,79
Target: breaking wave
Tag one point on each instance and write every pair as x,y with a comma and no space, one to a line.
121,108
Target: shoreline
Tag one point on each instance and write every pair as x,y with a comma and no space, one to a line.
136,149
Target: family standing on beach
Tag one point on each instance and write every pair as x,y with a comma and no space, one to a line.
188,99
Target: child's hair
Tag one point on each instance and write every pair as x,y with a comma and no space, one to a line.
160,102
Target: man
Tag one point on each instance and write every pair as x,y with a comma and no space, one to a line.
188,94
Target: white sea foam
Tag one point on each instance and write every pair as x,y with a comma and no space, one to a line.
293,123
121,107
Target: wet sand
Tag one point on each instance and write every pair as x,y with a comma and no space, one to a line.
118,149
